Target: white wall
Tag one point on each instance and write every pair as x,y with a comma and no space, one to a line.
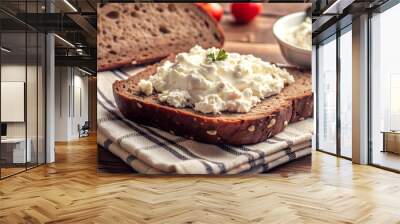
33,126
80,85
61,103
12,73
70,83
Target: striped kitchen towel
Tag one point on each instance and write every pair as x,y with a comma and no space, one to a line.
152,151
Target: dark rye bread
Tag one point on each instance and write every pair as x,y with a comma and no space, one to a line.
139,33
266,119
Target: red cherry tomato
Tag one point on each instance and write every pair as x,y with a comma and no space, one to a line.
213,9
245,12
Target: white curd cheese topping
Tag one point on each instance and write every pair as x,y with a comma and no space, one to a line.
233,83
146,87
301,35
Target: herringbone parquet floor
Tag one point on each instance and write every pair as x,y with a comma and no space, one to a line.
71,191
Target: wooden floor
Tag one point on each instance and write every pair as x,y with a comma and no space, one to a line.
386,159
11,170
71,191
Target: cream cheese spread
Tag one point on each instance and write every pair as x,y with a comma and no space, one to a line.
301,35
235,84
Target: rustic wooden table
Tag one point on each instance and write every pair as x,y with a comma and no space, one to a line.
254,38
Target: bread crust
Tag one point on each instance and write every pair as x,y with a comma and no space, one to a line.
157,50
234,129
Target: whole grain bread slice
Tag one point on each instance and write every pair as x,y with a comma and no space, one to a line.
138,33
266,119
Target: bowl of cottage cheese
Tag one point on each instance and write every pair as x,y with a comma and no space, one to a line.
294,33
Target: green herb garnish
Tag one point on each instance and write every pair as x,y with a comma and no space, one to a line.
222,55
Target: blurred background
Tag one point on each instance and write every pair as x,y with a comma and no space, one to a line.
255,36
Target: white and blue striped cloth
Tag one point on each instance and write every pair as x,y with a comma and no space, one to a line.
149,150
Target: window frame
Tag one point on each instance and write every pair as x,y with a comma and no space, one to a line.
378,10
29,29
333,37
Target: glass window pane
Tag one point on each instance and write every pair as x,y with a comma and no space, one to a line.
23,86
31,97
13,85
346,94
327,97
41,98
385,84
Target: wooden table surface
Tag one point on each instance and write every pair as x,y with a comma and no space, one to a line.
256,37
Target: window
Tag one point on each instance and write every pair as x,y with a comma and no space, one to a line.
334,106
22,101
327,96
385,88
346,75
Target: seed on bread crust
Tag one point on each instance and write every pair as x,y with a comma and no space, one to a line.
212,132
139,105
285,123
271,123
251,128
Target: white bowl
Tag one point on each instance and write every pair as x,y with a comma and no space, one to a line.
293,54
